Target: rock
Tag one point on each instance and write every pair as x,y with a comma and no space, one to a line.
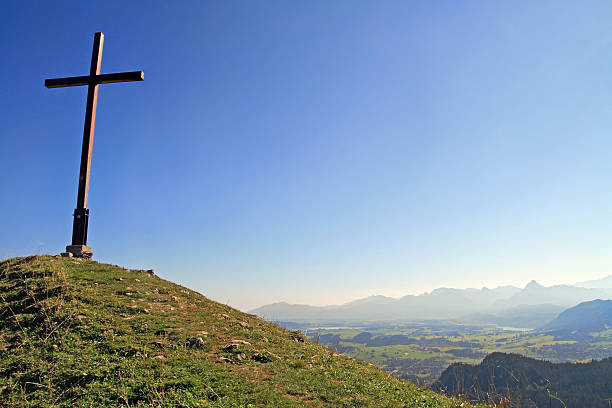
80,251
260,358
151,272
120,279
246,343
243,324
297,336
229,347
240,356
174,298
67,254
224,360
234,344
195,342
160,357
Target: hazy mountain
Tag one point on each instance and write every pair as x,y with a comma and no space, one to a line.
592,316
288,311
443,303
370,301
603,283
532,306
526,316
562,295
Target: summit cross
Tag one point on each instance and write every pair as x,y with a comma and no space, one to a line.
79,246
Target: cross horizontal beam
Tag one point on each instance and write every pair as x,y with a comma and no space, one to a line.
95,79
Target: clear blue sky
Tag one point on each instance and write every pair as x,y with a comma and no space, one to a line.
317,151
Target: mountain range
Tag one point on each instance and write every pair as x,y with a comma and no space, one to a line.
530,307
598,283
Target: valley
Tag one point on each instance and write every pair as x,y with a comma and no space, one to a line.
420,352
417,337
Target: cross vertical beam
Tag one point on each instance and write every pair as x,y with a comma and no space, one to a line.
79,246
81,213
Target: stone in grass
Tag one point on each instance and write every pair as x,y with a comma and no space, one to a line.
261,358
234,344
230,347
238,341
224,360
297,335
194,342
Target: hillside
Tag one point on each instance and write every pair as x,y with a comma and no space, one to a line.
595,315
79,333
526,382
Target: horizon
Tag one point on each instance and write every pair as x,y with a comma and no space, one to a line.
317,152
426,292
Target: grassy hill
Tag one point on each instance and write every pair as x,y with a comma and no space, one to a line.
79,333
525,382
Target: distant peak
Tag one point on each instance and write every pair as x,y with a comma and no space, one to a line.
371,299
533,285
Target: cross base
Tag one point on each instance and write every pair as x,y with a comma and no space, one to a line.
79,251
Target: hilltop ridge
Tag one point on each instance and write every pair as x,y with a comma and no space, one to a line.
79,333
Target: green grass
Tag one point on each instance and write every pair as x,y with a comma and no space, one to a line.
79,333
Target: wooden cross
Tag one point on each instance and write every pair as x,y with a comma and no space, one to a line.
79,246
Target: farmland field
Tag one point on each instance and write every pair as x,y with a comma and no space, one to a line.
419,352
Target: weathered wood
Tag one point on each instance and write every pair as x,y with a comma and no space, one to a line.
70,81
98,79
120,77
81,213
90,124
